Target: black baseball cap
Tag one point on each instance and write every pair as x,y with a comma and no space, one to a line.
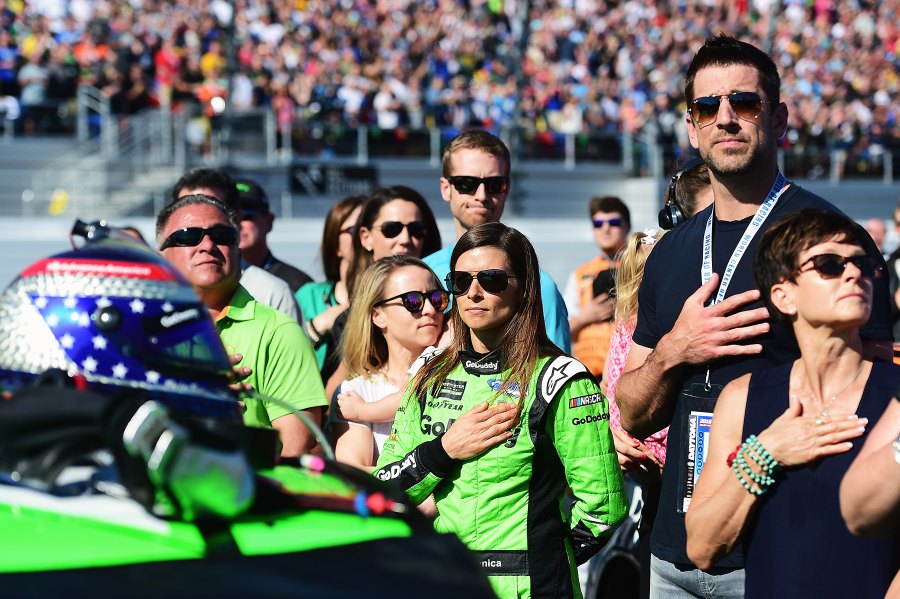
251,197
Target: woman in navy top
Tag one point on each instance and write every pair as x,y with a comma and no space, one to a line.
782,438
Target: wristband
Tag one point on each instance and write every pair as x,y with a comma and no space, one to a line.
311,332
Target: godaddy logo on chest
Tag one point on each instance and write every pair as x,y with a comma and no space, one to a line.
437,428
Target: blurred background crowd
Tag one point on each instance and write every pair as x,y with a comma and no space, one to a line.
578,67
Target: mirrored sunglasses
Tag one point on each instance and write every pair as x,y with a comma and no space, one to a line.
612,222
414,301
747,105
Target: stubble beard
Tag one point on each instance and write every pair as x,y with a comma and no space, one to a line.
730,165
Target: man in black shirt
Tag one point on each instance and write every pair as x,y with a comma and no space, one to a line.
700,321
256,224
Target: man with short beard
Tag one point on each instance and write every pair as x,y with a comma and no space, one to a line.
690,341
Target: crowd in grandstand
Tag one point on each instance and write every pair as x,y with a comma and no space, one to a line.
586,67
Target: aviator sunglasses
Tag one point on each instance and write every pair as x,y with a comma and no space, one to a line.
392,228
414,301
747,105
492,280
832,265
469,185
192,236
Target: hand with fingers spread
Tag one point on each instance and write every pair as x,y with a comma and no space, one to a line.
239,374
703,333
479,429
794,439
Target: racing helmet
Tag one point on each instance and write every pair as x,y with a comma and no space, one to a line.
114,316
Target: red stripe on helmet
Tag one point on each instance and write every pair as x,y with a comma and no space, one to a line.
100,268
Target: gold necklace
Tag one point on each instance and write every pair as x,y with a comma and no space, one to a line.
824,413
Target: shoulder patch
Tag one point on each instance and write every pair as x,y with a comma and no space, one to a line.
426,356
557,373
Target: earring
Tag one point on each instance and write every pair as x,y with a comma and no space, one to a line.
792,310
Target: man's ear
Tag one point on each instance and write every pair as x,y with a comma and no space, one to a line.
780,120
268,221
445,189
693,132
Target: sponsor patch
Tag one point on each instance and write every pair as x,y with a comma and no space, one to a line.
585,400
512,390
590,418
452,390
482,367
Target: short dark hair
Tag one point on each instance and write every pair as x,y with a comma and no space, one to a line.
213,178
162,219
724,50
779,249
475,139
331,233
609,204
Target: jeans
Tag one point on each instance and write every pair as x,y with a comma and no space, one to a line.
669,581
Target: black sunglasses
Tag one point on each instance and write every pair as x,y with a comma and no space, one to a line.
192,236
613,222
492,280
469,185
414,301
351,230
392,228
832,265
747,105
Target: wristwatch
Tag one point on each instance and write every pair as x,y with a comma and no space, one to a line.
897,450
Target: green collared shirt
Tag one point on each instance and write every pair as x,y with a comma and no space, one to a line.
280,356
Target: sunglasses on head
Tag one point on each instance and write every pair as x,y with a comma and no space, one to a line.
392,228
492,280
747,105
192,236
612,222
414,301
832,265
469,185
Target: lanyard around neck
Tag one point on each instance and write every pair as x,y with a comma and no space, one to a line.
706,269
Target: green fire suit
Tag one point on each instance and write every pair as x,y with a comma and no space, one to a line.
507,504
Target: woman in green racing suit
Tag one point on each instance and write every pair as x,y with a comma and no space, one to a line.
501,422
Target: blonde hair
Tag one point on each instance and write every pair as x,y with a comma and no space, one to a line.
630,272
362,346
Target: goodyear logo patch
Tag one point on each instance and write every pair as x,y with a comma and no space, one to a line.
585,400
452,390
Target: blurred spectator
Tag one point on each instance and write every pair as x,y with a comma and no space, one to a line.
877,230
591,68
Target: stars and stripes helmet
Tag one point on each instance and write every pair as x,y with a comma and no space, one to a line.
116,315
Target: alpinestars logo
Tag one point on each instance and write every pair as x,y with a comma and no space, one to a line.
557,375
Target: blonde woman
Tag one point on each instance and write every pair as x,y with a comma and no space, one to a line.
628,280
396,313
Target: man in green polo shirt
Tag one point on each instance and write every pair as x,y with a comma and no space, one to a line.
199,236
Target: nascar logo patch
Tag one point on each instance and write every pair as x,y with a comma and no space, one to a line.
585,400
